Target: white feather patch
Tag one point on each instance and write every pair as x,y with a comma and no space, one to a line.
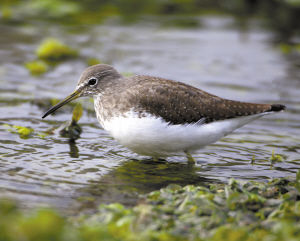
152,136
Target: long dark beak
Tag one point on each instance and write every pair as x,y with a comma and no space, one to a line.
71,97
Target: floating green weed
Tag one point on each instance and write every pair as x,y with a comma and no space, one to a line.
93,61
237,211
49,53
77,112
37,67
72,130
230,211
54,101
53,49
287,48
6,12
275,158
24,132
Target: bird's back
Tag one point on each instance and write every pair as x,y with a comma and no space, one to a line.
179,103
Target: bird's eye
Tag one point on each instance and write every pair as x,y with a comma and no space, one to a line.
92,81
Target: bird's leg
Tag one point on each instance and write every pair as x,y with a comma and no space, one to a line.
191,160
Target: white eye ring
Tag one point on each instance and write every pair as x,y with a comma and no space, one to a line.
92,81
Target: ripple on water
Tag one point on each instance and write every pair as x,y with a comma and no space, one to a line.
54,171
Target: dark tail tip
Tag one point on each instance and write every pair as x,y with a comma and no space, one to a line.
277,107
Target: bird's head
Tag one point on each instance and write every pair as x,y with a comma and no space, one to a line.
93,81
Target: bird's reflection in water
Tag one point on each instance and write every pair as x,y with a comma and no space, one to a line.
134,177
74,153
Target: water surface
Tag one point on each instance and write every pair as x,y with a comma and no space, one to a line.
217,58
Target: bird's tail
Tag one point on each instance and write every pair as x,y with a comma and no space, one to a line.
277,107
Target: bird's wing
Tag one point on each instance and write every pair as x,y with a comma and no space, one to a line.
178,103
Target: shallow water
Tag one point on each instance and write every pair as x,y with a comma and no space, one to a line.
77,176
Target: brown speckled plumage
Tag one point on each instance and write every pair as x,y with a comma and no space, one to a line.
175,102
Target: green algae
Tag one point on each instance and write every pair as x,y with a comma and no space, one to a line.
77,112
26,132
93,61
239,210
49,53
287,48
275,158
72,130
6,12
22,131
37,67
236,211
53,50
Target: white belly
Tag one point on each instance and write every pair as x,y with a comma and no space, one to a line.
152,136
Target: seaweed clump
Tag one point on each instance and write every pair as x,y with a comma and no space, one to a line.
252,211
37,67
53,50
50,52
22,131
73,130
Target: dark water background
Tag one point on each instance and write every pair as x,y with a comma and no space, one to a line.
217,57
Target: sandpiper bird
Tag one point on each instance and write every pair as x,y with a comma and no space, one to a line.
159,117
